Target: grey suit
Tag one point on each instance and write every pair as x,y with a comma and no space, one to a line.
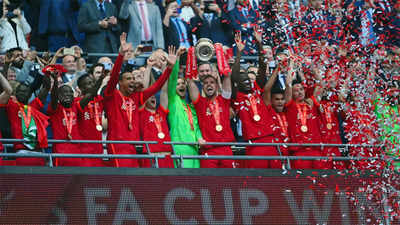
129,10
98,39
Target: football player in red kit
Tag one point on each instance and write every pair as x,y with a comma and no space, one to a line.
90,118
213,115
27,122
122,106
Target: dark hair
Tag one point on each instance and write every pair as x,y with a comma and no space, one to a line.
81,78
91,69
11,50
167,2
127,68
204,63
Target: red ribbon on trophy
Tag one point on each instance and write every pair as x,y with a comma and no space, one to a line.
223,67
191,64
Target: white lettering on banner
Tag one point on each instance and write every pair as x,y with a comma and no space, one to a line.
309,202
207,207
169,204
249,211
61,216
91,207
344,208
128,201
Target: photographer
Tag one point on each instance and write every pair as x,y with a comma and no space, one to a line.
13,27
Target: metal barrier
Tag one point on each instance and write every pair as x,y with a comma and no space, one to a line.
180,158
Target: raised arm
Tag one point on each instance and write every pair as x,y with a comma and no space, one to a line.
236,66
172,58
92,92
7,90
54,95
262,67
44,91
227,84
112,83
147,73
164,89
194,92
268,86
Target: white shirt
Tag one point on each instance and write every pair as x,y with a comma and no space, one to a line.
146,19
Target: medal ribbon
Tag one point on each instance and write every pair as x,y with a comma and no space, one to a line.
328,113
128,105
96,113
283,123
27,117
157,122
189,115
303,114
214,106
253,104
68,120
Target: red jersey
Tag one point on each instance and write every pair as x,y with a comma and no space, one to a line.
303,115
65,126
214,119
280,127
154,127
90,122
123,111
329,122
256,122
14,113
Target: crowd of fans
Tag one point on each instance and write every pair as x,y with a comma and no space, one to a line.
325,72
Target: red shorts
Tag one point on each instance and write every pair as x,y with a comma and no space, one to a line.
263,151
123,149
217,163
308,164
67,148
333,164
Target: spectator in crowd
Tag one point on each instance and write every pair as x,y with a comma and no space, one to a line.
70,64
367,23
96,70
242,19
27,122
125,102
145,24
213,112
58,22
279,26
212,23
176,31
182,117
90,116
98,20
13,28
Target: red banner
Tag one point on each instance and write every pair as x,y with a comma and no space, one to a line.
111,199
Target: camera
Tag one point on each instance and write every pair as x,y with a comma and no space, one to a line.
14,4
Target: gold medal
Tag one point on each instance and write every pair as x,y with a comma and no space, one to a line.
329,126
304,128
256,117
99,127
161,135
69,137
130,127
218,128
